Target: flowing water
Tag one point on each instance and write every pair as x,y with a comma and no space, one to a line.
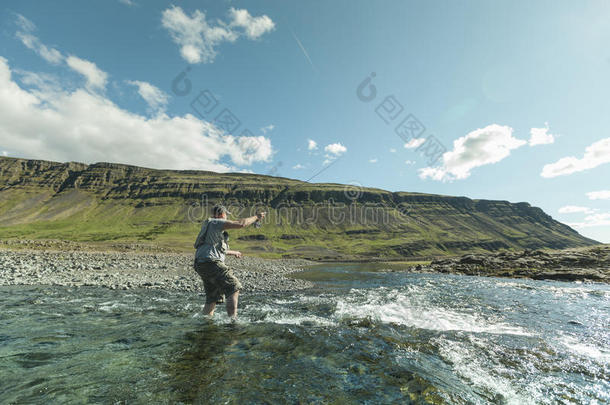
360,336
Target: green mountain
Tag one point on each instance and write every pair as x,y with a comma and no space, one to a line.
105,202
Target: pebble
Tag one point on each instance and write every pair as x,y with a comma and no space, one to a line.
129,270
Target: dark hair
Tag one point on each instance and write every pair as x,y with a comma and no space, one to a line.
219,210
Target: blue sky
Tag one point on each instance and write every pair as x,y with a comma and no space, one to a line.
511,96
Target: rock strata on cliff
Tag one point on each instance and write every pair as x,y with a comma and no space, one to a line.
116,202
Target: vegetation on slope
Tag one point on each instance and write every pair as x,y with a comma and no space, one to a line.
114,202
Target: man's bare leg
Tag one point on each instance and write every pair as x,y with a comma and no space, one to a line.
232,304
208,309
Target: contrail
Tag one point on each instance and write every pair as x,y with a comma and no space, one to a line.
304,51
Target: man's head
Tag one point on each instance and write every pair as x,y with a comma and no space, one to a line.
220,211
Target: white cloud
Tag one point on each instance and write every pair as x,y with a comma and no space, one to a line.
298,166
540,136
155,98
129,3
335,149
595,154
572,209
198,38
245,150
194,35
333,152
599,195
25,24
254,27
311,144
602,219
392,150
78,125
44,81
96,78
409,162
268,128
414,143
480,147
26,27
373,160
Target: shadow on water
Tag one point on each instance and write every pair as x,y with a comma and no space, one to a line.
273,363
198,365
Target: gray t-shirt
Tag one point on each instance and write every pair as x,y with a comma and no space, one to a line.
212,247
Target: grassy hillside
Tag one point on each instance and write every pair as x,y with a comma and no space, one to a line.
114,202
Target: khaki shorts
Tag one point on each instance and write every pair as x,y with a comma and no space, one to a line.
218,279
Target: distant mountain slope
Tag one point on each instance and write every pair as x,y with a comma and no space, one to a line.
107,201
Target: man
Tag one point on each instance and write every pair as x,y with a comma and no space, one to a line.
218,279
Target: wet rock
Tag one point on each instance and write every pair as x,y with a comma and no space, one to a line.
591,264
471,259
576,323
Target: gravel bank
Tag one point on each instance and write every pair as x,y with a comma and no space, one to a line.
127,270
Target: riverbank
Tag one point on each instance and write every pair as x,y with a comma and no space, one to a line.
129,270
127,266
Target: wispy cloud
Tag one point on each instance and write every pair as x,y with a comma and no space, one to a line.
594,220
96,78
298,166
267,128
573,209
414,143
311,144
373,160
155,98
595,155
26,36
599,195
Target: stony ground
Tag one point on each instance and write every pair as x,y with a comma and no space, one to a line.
127,270
129,266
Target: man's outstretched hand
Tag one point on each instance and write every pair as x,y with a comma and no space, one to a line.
234,253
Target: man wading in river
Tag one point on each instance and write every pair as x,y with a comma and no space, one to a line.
211,245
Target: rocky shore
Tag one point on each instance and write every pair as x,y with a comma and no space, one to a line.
592,264
128,270
129,266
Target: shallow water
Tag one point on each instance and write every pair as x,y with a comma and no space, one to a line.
362,335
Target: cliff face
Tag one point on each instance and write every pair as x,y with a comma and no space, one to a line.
107,201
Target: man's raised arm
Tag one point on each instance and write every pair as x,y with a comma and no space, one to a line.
243,222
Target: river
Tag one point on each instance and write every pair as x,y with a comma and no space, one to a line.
362,335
